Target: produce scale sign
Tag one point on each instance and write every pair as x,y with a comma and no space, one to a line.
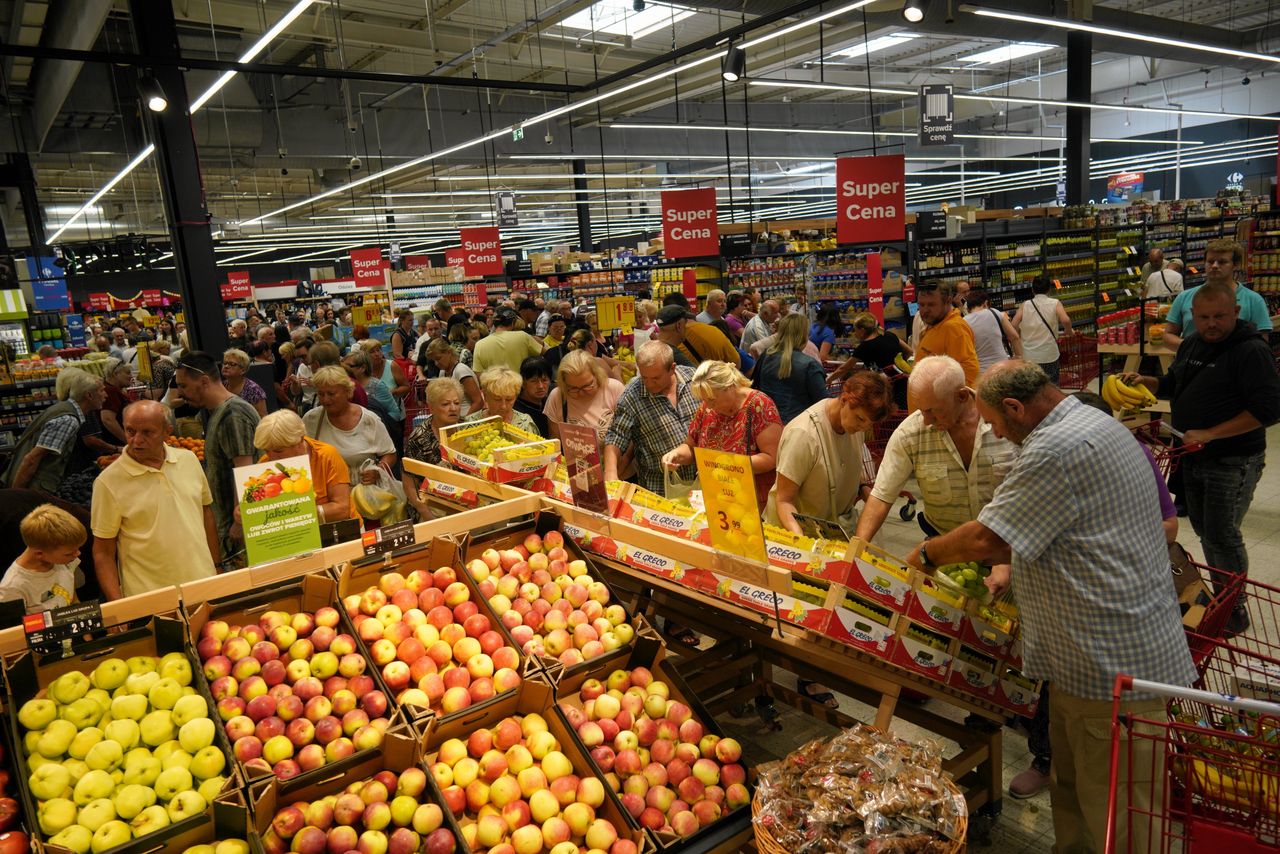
729,495
278,509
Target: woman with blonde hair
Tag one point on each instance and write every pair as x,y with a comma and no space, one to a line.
734,418
281,435
501,387
445,358
235,366
584,394
589,341
791,379
356,432
444,408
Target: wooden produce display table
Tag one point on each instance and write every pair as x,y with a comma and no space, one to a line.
1132,357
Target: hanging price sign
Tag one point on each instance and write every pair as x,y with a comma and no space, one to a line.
729,494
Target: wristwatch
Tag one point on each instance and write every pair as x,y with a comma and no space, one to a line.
924,552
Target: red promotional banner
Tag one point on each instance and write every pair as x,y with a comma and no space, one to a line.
875,288
481,251
238,277
232,291
100,301
367,266
689,227
417,262
151,297
455,257
870,198
689,284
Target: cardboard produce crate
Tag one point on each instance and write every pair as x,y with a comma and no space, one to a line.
525,460
308,594
877,574
912,653
974,672
649,561
935,607
794,609
27,675
860,622
1016,692
655,512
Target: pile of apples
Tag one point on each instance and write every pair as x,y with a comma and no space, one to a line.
120,753
291,691
12,839
669,772
386,814
550,604
435,648
521,794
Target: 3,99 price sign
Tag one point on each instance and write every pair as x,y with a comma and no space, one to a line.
729,495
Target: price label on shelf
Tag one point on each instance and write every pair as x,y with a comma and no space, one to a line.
388,538
1106,297
56,630
1057,284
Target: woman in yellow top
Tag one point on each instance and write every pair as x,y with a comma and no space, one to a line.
281,435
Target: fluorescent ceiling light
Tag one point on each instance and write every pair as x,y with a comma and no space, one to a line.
618,17
1006,53
764,158
1134,35
106,188
806,22
877,44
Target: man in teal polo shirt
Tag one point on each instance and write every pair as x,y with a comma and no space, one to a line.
1221,258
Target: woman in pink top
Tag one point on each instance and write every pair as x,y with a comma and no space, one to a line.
584,394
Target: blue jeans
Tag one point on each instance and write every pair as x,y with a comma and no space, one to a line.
1218,492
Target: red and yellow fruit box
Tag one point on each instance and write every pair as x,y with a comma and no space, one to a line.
650,510
524,456
974,672
807,606
922,649
1017,692
935,607
988,628
449,492
660,565
806,555
879,575
859,622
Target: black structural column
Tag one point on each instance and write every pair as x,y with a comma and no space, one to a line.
582,205
1079,89
179,168
25,179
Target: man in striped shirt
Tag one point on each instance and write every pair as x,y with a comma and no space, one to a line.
1078,516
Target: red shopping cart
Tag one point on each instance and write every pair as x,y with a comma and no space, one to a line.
1078,361
1165,445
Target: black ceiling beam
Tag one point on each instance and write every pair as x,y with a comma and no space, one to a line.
187,62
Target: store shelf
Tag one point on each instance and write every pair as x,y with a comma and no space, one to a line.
1071,256
28,407
22,384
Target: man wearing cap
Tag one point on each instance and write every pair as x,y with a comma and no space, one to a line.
505,346
696,342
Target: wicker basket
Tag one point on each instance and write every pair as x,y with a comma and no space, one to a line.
765,843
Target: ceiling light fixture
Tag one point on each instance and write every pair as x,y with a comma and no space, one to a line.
806,22
734,67
152,94
913,10
877,44
1006,53
1133,35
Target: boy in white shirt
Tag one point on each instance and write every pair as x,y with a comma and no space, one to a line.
44,575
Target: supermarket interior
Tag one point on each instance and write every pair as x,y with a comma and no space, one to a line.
636,427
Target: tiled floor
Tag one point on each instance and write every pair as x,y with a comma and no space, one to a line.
1024,825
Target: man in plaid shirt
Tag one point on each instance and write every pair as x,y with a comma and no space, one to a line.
1079,518
652,415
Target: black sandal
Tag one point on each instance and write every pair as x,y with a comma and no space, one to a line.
683,635
822,695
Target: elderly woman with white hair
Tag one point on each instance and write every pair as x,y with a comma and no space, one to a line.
585,394
734,418
235,368
282,435
501,386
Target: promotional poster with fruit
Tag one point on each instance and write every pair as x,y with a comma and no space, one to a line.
278,509
729,493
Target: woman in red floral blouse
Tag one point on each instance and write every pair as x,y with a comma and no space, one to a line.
734,418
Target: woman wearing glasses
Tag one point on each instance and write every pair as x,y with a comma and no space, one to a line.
234,365
584,394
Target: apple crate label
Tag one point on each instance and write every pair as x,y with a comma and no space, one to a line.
729,494
56,630
367,266
387,538
870,198
481,251
277,509
689,227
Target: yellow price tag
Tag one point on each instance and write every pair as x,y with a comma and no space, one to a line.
616,313
729,495
366,315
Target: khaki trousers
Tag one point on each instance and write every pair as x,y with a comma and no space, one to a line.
1080,734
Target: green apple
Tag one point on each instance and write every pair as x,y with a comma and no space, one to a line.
99,696
110,835
49,781
150,820
189,708
163,751
95,814
69,687
208,762
212,787
124,732
186,804
232,846
171,781
164,694
131,706
56,739
141,664
85,739
37,714
133,799
84,712
55,815
110,674
143,772
30,740
196,735
176,759
77,767
157,728
177,667
96,784
106,755
136,755
74,838
141,683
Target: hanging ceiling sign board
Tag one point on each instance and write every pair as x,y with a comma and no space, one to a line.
455,258
937,115
505,204
417,262
931,224
875,287
237,286
482,251
689,227
368,267
616,314
870,198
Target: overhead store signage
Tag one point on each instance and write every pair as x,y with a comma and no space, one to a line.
48,284
1121,187
937,115
237,286
930,224
455,257
505,204
616,314
367,267
689,227
100,301
481,251
870,198
417,262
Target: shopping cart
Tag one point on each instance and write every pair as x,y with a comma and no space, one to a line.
1165,445
1077,361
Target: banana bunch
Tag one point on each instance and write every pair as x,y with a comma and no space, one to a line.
1120,396
1242,787
900,362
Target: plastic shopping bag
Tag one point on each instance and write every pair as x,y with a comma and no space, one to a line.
677,488
383,500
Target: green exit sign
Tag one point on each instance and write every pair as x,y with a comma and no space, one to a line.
517,134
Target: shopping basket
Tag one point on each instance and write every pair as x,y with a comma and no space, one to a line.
1077,361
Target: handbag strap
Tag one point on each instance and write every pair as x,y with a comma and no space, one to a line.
1042,320
1003,338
